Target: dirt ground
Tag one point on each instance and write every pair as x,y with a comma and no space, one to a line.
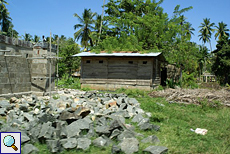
187,96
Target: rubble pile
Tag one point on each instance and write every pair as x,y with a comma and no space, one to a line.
76,120
195,96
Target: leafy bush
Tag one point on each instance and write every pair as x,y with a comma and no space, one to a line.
159,88
69,82
189,80
172,84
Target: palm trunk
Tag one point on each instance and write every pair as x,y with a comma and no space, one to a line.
210,46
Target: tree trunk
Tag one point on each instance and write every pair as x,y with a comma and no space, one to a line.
210,46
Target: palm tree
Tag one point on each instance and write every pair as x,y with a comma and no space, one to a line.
221,30
36,38
206,31
189,30
3,4
5,20
3,13
85,26
27,37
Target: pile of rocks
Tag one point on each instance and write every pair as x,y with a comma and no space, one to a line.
76,120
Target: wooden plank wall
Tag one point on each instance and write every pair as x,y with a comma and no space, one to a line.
112,72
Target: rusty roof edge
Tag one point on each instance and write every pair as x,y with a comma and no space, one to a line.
89,54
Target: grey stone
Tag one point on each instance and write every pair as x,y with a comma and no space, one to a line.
146,126
30,149
120,101
129,145
99,142
139,111
46,131
143,121
11,107
156,150
45,117
53,145
61,127
137,118
102,129
115,133
156,127
25,126
116,124
24,137
83,143
73,130
101,121
4,104
23,107
28,116
115,149
2,111
69,143
107,112
151,139
108,140
34,133
83,123
126,134
65,115
133,101
91,132
34,99
123,106
105,99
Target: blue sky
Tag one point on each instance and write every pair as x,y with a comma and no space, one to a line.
42,16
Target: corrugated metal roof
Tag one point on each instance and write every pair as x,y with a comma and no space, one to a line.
89,54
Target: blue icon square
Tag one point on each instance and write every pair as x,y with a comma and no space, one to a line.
10,143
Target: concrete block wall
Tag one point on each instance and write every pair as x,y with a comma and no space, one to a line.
41,69
23,72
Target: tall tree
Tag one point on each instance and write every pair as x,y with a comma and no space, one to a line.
85,26
221,31
206,31
36,38
68,64
221,65
3,4
189,30
5,20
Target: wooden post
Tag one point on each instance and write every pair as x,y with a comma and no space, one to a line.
50,70
57,63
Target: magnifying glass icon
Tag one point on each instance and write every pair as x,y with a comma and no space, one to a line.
9,141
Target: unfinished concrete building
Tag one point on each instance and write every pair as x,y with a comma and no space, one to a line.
25,67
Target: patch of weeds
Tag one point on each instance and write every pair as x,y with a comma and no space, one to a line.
55,97
159,88
69,82
158,117
86,88
133,92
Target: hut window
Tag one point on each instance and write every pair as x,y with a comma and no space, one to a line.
101,61
130,62
87,61
144,62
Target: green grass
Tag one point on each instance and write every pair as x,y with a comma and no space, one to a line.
175,121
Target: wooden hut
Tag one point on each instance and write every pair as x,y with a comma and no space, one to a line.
106,71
